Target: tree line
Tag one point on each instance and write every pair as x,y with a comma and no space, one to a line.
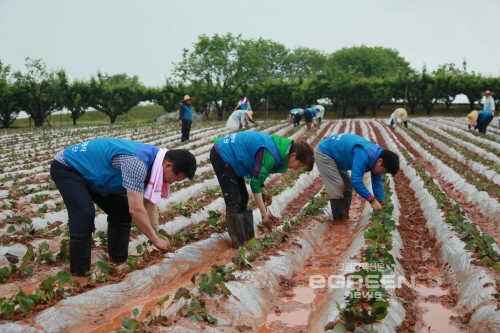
219,68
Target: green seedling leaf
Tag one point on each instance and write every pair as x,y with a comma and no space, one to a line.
11,229
25,303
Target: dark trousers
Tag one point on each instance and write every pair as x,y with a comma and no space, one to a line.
233,187
404,122
308,116
296,120
79,201
482,124
186,128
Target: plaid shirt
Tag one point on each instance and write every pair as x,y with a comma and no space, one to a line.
134,171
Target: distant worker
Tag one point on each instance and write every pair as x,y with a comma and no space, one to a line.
479,120
186,117
243,104
339,153
309,115
295,116
489,102
321,113
240,119
397,117
254,156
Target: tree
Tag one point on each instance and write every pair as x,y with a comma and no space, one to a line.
41,92
446,83
221,65
115,95
77,99
303,62
168,96
370,61
428,91
9,106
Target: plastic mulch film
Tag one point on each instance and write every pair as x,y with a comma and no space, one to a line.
476,288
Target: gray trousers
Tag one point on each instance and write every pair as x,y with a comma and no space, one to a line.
337,181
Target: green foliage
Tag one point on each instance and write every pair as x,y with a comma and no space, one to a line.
218,275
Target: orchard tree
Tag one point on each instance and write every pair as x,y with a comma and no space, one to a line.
428,91
168,96
222,64
77,99
370,61
115,95
302,63
446,83
40,91
9,106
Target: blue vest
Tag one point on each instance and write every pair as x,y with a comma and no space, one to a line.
92,159
313,111
238,150
484,116
244,106
340,148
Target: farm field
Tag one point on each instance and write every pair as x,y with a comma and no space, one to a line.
432,253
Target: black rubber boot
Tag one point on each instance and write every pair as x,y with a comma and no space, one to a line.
348,205
79,254
118,238
236,230
338,208
248,224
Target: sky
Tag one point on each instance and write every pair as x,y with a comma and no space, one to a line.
145,37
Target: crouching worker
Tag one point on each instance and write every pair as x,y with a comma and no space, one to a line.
126,179
397,117
335,155
479,120
253,155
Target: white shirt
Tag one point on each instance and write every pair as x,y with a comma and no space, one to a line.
489,104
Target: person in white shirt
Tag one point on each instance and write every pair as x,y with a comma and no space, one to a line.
489,103
398,116
321,113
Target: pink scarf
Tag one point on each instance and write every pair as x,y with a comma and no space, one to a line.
156,188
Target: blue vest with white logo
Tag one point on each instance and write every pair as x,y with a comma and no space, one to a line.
238,150
92,159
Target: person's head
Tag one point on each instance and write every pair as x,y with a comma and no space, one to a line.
472,117
241,97
301,155
388,162
178,165
488,93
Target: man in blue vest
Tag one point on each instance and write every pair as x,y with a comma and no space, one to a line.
479,120
340,153
117,175
186,117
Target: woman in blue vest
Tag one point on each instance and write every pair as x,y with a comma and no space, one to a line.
479,120
186,117
113,174
253,155
339,153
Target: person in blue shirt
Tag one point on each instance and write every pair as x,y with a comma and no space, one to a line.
479,120
339,153
253,155
186,117
309,114
295,116
113,174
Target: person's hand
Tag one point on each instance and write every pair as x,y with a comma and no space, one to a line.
376,205
267,220
256,124
163,244
268,200
180,122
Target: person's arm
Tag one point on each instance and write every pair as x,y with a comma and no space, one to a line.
142,220
181,114
263,164
152,211
358,170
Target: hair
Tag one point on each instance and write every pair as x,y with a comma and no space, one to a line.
305,154
241,96
390,161
183,162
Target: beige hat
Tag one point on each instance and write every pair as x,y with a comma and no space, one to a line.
472,117
401,114
249,113
186,97
487,92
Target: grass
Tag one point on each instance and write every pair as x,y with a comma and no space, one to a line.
147,114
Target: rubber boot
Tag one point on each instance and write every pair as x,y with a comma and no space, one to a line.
348,205
338,209
248,224
118,239
236,230
79,254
